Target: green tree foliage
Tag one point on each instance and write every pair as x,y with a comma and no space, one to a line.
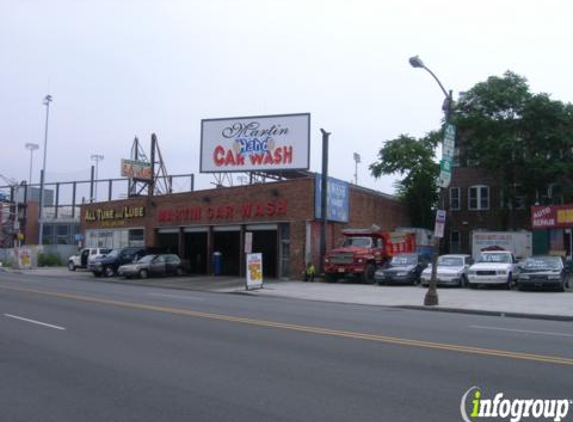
412,159
524,138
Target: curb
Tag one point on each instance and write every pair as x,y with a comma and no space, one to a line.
546,317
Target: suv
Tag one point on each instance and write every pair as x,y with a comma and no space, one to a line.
108,264
85,256
494,268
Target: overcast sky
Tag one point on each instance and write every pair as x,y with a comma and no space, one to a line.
119,69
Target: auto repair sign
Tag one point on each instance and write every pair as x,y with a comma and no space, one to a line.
258,143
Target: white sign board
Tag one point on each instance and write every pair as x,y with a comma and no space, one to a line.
254,271
256,143
440,223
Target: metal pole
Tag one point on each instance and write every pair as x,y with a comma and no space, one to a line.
323,198
47,101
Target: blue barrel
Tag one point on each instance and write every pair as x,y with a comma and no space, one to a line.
217,263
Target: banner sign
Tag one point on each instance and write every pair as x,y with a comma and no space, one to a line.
337,198
258,143
254,271
446,163
554,216
136,169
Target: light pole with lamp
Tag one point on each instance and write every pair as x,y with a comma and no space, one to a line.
356,161
46,102
97,158
32,147
431,298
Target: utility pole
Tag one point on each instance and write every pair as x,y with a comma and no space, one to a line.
323,197
47,101
356,161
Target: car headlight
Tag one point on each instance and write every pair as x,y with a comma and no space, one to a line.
401,274
502,272
524,277
554,277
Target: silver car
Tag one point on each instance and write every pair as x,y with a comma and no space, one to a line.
153,265
452,271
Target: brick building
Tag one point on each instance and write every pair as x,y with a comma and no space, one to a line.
280,216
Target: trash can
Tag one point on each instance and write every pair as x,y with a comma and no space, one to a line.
217,263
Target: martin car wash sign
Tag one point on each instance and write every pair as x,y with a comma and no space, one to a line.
259,143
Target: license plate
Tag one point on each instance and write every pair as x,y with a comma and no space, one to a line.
341,270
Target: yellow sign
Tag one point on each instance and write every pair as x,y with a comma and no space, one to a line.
110,214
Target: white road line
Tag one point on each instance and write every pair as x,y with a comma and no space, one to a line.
176,296
546,333
35,322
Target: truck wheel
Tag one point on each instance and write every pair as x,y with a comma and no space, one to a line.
368,275
509,282
330,278
71,266
109,271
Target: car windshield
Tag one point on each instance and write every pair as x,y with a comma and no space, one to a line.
539,263
113,253
495,257
400,260
357,242
448,261
147,259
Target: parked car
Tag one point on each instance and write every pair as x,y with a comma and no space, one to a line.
153,265
107,265
543,272
452,270
403,268
83,258
494,268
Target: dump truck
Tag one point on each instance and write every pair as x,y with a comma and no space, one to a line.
365,250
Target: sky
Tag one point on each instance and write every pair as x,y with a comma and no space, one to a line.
120,69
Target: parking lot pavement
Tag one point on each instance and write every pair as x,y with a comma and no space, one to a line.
530,303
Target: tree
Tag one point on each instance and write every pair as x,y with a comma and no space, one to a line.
415,160
524,138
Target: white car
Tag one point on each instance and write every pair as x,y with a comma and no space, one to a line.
452,271
494,268
85,256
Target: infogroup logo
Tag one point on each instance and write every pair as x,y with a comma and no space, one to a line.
513,410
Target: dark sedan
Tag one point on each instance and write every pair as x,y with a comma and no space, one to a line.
543,272
403,269
153,265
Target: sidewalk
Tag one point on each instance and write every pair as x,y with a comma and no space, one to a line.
536,304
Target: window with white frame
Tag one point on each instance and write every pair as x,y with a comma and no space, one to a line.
478,198
455,199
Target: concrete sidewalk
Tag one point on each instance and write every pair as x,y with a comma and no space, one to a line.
552,305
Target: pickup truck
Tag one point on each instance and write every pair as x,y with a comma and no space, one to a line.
494,268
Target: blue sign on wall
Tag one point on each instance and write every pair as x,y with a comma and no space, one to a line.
337,194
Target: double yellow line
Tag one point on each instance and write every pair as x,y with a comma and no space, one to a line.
309,329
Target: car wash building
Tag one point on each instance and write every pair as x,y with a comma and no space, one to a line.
280,219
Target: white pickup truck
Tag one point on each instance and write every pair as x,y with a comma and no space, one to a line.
494,268
82,259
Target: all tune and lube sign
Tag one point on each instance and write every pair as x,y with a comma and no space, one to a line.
279,142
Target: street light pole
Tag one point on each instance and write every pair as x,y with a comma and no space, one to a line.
46,102
431,298
356,161
32,147
97,158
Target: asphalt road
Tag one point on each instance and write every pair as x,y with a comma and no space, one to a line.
75,350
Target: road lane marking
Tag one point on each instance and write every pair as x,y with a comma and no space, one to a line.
176,297
309,329
32,321
517,330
